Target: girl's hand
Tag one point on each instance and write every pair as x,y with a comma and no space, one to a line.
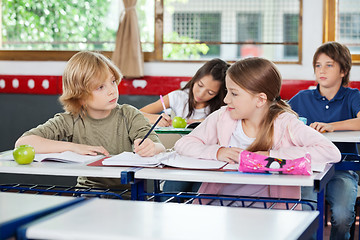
229,154
89,150
165,121
146,149
322,127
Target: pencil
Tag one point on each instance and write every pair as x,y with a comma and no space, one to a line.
152,128
163,104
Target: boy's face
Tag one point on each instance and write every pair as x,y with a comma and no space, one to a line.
328,73
103,98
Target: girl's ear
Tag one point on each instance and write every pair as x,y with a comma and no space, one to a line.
262,100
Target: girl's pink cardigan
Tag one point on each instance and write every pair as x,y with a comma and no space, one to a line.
292,139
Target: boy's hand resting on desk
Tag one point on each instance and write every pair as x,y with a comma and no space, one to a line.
89,150
229,154
322,127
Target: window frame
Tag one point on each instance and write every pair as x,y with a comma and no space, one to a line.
329,26
156,55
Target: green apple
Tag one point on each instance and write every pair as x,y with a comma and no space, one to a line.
24,154
179,122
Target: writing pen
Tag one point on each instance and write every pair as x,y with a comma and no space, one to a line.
163,104
152,128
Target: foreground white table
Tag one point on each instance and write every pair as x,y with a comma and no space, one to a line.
133,175
317,180
17,209
112,219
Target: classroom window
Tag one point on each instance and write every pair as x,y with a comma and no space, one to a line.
59,25
193,27
342,24
171,30
232,29
249,27
291,23
57,29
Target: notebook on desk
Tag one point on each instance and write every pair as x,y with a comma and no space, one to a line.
168,159
66,157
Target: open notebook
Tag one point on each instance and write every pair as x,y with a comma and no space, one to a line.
66,156
171,159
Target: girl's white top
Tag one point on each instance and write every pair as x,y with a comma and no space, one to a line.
178,100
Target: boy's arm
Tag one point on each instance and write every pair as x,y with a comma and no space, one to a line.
349,124
43,145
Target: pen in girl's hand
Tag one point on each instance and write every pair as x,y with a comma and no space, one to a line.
163,104
152,128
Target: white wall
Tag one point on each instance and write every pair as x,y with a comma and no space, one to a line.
312,38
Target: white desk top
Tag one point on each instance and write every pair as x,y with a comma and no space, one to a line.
81,169
343,136
113,219
17,209
16,205
76,169
61,169
224,177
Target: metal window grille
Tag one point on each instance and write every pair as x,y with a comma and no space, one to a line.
228,26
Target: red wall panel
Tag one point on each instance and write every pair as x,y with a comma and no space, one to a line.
147,85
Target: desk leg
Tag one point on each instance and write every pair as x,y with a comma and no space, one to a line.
137,190
320,208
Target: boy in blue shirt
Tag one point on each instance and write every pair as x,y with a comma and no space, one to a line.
330,107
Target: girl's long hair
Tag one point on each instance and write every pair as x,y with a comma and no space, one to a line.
258,75
217,69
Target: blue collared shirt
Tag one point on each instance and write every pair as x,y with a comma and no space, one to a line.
316,108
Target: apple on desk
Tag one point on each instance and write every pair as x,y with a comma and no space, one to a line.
179,122
24,154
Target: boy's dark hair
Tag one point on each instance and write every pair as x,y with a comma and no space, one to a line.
340,54
217,69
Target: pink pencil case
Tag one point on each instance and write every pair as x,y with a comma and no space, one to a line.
253,162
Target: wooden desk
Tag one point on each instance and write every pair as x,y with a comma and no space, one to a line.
149,220
17,209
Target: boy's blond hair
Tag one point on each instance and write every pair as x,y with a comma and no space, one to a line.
83,73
